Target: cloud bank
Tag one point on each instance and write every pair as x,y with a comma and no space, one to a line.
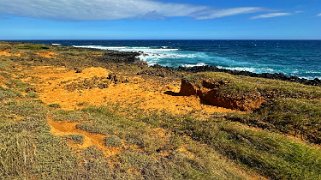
114,9
271,15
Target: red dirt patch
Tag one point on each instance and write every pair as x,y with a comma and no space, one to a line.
59,128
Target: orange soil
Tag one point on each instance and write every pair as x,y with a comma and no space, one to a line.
59,128
47,54
9,54
2,81
140,93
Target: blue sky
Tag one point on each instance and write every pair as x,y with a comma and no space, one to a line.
160,19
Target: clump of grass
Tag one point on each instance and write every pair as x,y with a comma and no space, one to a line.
63,115
79,139
113,141
55,105
32,94
82,104
18,85
89,128
8,93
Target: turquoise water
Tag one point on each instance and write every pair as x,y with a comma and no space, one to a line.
297,58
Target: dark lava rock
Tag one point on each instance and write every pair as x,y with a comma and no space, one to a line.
278,76
120,57
117,79
77,70
158,71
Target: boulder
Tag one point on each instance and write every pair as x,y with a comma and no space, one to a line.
188,88
246,102
211,92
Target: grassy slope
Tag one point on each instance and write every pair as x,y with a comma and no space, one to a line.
29,150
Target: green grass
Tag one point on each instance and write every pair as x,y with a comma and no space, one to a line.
28,150
78,139
205,162
113,141
267,87
32,47
71,116
297,117
7,93
270,154
55,106
18,85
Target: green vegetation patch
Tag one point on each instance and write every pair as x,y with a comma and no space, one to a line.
64,115
31,47
113,141
28,150
7,93
270,154
297,117
267,87
160,154
78,139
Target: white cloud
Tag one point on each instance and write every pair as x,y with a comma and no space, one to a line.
114,9
271,15
228,12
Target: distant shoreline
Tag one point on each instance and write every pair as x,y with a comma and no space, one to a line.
209,68
276,76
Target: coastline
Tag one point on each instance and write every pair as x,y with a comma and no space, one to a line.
208,68
114,112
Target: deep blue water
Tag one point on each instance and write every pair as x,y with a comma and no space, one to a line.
298,58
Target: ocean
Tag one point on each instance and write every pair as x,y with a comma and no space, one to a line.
295,58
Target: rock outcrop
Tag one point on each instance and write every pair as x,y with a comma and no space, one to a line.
120,57
213,93
247,102
188,88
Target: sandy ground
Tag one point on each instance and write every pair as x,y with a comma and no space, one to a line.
47,54
51,82
9,54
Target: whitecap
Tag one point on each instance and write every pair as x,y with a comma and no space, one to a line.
194,65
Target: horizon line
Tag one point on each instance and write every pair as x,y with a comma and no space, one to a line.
223,39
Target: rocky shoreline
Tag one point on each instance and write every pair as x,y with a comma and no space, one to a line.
277,76
207,68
